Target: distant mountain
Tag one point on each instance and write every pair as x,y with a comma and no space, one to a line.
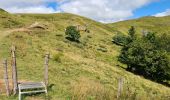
154,24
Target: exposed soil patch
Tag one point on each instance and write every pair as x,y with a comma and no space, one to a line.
37,25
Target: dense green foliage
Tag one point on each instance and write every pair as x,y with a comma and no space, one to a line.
120,39
72,33
147,56
164,42
132,32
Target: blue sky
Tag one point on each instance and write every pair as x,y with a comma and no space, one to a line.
53,5
152,8
99,10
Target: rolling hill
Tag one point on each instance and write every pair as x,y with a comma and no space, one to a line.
88,70
149,23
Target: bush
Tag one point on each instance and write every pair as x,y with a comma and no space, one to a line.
120,39
72,33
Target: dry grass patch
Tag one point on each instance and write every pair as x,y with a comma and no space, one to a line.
86,89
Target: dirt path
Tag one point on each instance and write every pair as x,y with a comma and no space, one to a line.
7,32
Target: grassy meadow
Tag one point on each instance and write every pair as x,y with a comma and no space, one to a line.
88,70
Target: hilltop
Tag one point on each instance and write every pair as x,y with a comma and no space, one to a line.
149,23
85,70
3,11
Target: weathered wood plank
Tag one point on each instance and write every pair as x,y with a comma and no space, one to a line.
33,92
31,85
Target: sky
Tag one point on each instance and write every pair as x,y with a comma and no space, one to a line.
106,11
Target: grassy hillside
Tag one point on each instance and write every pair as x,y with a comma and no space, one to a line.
154,24
88,70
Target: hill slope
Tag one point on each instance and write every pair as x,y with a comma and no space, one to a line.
81,71
155,24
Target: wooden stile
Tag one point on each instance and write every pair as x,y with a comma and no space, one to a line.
18,87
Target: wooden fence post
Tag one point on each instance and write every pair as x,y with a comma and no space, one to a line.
12,82
46,68
6,77
120,87
14,70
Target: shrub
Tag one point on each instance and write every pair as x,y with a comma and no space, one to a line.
72,33
120,39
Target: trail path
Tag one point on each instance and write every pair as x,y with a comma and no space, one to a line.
4,33
7,32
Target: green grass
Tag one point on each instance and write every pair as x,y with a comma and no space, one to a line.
155,24
85,71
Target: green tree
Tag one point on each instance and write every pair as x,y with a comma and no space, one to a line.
143,56
72,33
132,31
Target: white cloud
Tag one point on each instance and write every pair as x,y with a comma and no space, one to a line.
165,13
26,6
104,10
35,9
23,3
100,10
